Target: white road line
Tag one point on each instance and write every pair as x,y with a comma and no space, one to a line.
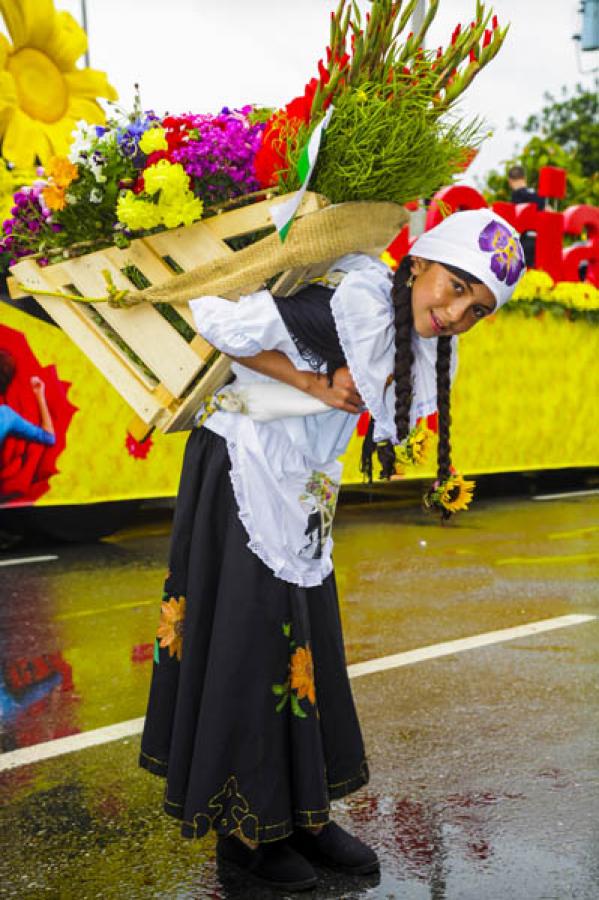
565,495
469,643
49,749
26,559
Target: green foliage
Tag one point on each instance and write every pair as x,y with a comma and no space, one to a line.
386,145
572,123
568,137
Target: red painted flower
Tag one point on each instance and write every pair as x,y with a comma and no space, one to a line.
26,467
138,449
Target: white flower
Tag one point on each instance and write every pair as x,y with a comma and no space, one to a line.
96,196
96,170
80,142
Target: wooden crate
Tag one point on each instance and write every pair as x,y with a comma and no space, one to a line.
160,372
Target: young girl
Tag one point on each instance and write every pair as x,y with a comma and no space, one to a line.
250,716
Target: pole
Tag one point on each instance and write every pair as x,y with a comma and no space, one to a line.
418,16
85,28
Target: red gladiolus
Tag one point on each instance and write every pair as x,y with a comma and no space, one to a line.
439,52
271,156
473,54
494,23
456,34
487,38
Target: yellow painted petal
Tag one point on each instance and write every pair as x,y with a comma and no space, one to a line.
90,83
24,140
67,42
5,49
39,22
81,108
8,92
59,136
12,13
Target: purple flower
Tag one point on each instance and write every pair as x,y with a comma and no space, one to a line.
507,260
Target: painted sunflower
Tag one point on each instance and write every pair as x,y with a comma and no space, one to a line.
456,493
42,94
302,674
170,630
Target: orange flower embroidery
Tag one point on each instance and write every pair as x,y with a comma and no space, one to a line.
170,630
302,674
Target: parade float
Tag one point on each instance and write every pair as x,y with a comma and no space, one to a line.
135,206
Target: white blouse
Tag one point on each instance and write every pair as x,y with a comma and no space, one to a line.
284,469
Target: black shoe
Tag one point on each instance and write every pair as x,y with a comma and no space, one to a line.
335,848
275,864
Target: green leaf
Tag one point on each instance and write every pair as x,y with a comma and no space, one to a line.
280,705
280,689
296,708
287,629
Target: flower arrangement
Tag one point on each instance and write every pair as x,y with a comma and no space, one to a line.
132,176
390,136
537,292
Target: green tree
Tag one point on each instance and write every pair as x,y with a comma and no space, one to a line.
572,123
566,134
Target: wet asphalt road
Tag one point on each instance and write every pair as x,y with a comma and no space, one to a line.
485,763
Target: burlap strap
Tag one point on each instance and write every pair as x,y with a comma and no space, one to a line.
317,237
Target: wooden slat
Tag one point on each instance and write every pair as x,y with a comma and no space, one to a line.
141,254
190,246
143,329
257,216
91,341
214,378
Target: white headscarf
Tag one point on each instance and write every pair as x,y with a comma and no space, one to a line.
479,242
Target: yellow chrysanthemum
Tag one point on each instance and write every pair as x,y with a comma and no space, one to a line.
152,140
534,285
169,178
137,214
42,94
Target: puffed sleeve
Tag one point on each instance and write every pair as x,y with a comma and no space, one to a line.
244,327
363,314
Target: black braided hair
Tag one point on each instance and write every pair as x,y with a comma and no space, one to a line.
401,295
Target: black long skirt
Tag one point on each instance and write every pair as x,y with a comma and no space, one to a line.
250,716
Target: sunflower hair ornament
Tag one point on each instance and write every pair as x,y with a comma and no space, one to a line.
449,496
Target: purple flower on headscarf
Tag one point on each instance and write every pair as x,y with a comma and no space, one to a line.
508,260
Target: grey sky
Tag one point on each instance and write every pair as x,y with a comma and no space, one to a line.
199,55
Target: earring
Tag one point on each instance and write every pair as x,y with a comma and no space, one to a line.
410,280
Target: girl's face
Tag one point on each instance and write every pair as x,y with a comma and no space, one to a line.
444,304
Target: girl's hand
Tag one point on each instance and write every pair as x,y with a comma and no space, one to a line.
342,394
37,385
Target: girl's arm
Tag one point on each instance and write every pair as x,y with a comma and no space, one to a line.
39,389
342,394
